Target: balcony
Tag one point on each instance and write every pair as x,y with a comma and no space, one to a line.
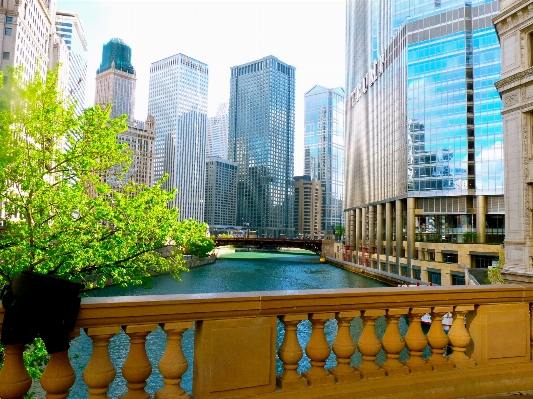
235,344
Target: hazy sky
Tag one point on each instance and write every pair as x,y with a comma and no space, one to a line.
308,35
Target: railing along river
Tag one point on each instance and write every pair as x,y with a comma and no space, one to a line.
235,344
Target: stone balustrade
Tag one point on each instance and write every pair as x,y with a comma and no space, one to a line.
487,350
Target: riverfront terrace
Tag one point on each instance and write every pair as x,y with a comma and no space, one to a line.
490,353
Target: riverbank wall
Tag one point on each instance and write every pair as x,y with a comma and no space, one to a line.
196,262
379,275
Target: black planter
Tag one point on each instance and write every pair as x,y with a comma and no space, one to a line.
39,305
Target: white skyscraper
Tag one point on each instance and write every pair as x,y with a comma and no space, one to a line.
68,26
178,101
26,35
217,133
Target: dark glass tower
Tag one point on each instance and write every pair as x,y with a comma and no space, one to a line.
118,52
261,142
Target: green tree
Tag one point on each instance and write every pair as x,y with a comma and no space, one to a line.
62,217
191,239
339,232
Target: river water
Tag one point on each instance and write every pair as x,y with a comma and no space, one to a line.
239,272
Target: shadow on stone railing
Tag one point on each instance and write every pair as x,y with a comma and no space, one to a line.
235,344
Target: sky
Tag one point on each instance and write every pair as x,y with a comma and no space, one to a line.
306,34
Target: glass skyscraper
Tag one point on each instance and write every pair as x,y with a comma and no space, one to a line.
424,131
261,142
324,150
68,26
178,101
217,133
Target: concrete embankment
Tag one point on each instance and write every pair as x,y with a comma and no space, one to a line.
380,275
195,262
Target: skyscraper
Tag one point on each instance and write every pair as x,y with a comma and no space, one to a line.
26,35
178,101
261,142
116,79
68,26
220,193
217,133
115,84
308,207
424,160
324,150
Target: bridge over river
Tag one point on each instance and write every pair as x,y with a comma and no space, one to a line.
315,246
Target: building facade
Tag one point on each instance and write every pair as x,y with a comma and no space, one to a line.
68,26
26,35
514,25
424,140
308,195
116,79
261,142
324,150
220,194
178,101
217,133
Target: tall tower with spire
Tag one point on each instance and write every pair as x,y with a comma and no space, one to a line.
116,79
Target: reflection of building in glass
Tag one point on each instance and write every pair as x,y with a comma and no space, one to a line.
423,130
429,171
217,133
261,142
220,193
178,101
324,150
308,207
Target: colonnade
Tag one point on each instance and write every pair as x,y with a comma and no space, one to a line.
388,230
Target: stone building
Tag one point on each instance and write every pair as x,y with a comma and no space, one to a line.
514,25
308,195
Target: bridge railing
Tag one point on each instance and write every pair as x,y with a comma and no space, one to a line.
486,351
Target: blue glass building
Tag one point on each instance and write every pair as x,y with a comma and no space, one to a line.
324,150
261,142
424,131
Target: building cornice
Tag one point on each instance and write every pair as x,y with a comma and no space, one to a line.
513,81
511,17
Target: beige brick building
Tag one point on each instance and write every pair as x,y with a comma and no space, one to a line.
307,206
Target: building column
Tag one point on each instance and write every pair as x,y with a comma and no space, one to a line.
371,232
481,218
388,232
411,206
364,237
357,242
399,231
379,233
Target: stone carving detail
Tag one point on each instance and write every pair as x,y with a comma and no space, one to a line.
511,99
525,163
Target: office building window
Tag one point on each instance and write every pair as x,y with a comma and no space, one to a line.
8,31
9,20
5,55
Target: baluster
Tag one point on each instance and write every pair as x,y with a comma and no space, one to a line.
137,367
393,343
416,341
14,378
460,338
438,340
59,376
100,371
173,363
531,329
290,353
369,345
344,348
318,351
